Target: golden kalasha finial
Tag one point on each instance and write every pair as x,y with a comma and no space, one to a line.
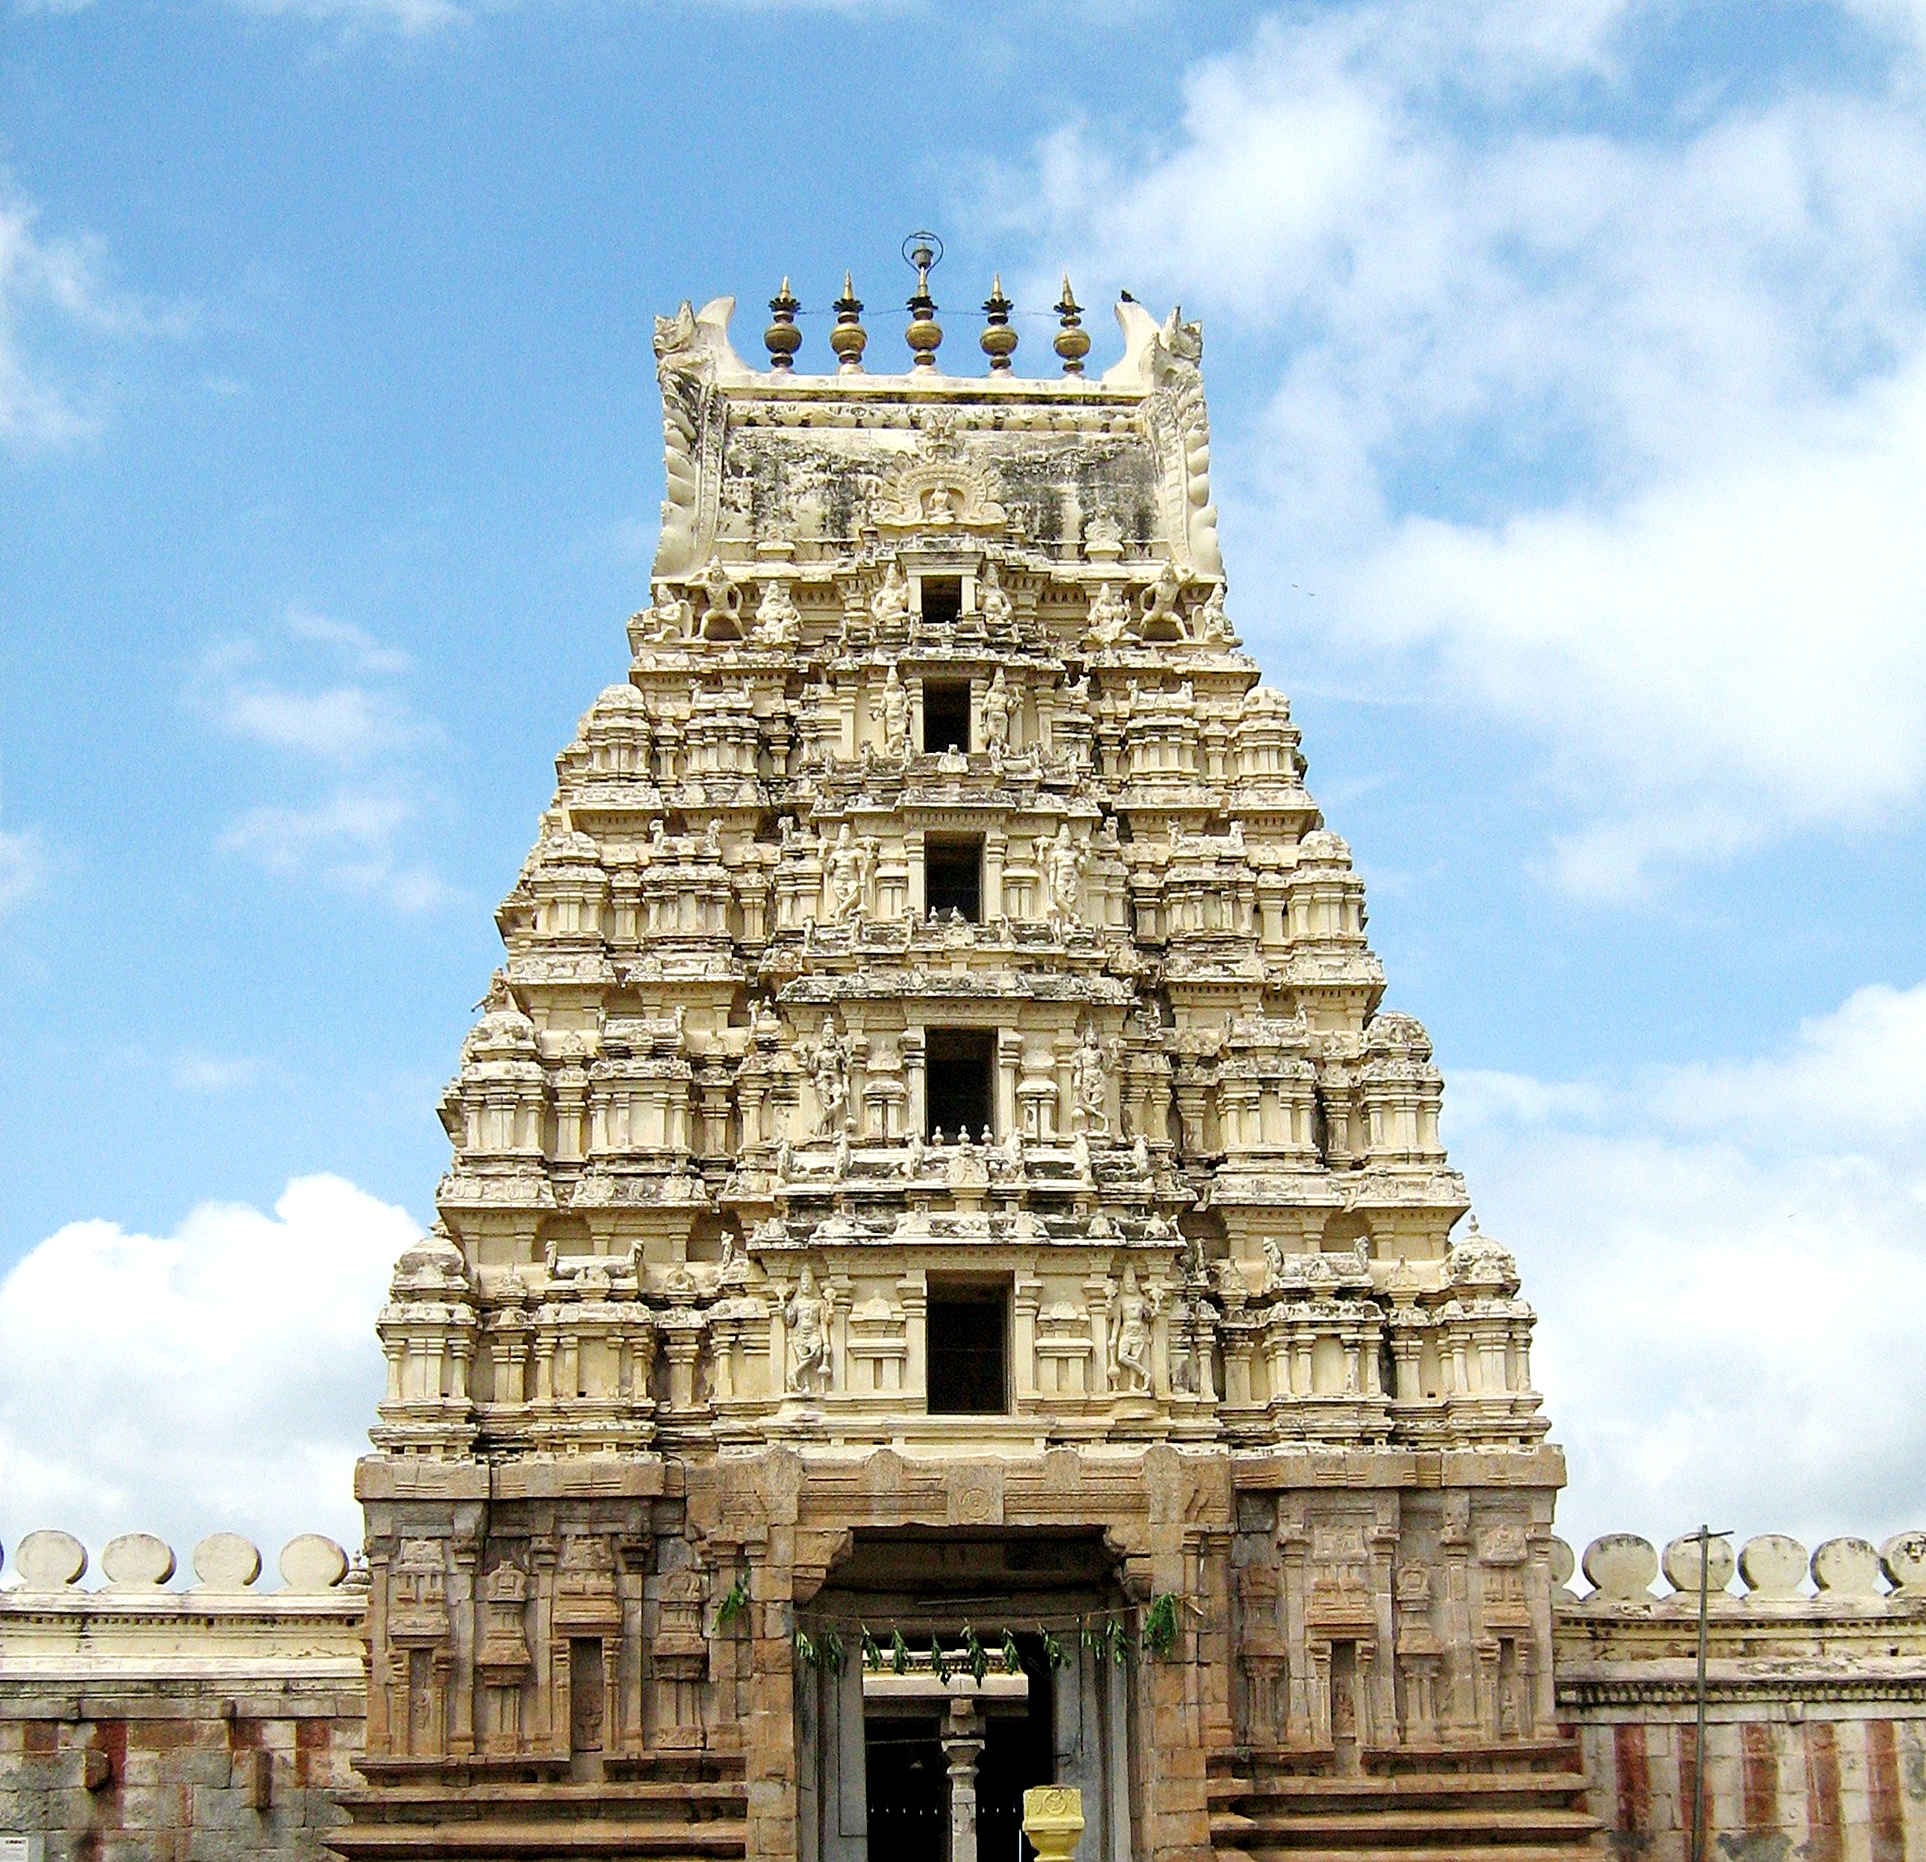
1073,340
923,250
849,339
998,339
782,339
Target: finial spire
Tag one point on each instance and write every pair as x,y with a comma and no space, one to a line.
1073,340
849,339
782,339
998,339
924,251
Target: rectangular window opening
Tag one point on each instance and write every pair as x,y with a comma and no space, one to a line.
953,875
958,1080
969,1348
946,715
942,599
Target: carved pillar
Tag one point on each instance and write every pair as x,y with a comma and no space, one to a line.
963,1746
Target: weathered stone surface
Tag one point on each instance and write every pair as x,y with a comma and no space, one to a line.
49,1560
1846,1568
1681,1563
226,1561
137,1561
1773,1565
312,1564
1621,1565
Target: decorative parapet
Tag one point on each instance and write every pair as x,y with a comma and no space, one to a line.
138,1635
1845,1624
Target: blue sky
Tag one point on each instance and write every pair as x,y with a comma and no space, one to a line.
1568,379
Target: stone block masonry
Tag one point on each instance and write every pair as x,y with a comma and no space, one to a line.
143,1723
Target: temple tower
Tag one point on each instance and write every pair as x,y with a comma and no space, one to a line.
947,1280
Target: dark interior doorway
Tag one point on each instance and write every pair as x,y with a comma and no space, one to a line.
957,1080
969,1348
953,875
942,599
946,715
907,1787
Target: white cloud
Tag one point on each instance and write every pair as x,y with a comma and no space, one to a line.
1615,429
350,839
52,287
1729,1263
196,1070
23,866
356,833
222,1377
359,647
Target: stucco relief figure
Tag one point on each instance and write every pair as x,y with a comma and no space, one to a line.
777,622
807,1317
828,1064
895,709
890,604
1087,1078
996,715
722,617
1212,626
1063,874
850,863
671,618
991,598
1161,617
1108,616
1130,1348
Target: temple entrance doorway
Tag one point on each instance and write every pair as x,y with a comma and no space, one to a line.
978,1686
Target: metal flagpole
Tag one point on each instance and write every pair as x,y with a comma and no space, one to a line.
1706,1536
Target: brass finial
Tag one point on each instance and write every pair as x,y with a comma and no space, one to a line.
782,339
998,339
923,250
1073,340
849,339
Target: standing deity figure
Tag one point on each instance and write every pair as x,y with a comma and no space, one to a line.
895,708
807,1317
996,715
1108,616
1087,1076
994,602
1063,873
890,603
1131,1338
777,622
828,1063
850,863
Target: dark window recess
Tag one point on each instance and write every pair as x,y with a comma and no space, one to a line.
969,1333
957,1077
942,599
946,715
586,1705
953,876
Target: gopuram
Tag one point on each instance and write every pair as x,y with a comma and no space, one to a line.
937,1193
949,1282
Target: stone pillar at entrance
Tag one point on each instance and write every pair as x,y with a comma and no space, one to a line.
963,1746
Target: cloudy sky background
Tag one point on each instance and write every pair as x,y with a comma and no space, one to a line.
1568,380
